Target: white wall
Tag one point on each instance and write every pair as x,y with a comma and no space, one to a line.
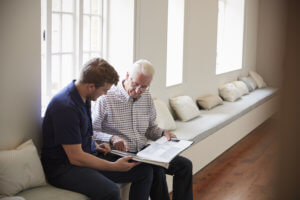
20,75
271,40
200,42
20,70
120,50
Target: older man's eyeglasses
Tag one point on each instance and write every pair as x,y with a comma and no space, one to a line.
137,86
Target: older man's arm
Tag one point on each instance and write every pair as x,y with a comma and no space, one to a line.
98,114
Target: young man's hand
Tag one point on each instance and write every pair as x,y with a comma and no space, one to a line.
169,135
103,148
125,164
119,143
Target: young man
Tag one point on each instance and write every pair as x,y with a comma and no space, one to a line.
125,117
68,150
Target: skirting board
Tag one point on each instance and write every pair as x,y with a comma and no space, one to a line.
205,151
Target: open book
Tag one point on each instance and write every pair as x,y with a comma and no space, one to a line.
160,152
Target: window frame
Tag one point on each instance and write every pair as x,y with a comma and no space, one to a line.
78,51
225,69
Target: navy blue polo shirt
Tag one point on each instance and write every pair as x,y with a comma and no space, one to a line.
67,121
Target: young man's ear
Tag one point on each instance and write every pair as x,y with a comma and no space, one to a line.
127,75
91,86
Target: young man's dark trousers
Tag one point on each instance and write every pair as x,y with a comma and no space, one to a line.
99,185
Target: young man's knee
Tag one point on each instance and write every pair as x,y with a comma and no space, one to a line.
112,193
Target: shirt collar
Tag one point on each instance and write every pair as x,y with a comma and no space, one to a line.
75,94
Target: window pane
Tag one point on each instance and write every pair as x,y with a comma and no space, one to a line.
67,5
56,5
230,36
67,33
67,69
96,7
95,34
85,58
175,42
56,35
44,76
86,6
86,33
95,55
55,74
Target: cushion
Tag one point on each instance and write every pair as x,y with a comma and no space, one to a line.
258,79
20,169
241,86
229,92
49,192
209,101
164,118
249,81
13,198
185,108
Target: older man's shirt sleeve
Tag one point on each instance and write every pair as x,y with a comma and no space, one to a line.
153,131
99,112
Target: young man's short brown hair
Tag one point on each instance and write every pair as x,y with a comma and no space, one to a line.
99,72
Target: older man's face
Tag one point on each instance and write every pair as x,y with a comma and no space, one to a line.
138,84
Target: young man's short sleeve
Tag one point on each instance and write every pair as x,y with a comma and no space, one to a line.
66,125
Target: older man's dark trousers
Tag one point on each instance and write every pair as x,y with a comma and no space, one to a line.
181,170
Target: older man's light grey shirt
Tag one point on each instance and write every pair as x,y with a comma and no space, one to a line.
118,114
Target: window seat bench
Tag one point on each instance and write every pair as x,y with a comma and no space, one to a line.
216,130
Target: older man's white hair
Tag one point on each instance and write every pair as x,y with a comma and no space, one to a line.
141,66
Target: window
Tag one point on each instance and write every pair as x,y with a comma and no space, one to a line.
230,36
72,34
175,42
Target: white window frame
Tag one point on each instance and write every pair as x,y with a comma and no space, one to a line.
77,43
221,67
174,69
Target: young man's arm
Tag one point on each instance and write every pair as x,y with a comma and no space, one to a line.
80,158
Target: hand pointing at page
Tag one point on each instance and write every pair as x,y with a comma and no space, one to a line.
119,143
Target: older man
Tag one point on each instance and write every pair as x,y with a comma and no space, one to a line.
125,117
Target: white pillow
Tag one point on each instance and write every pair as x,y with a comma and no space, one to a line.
164,118
241,86
250,83
209,101
185,108
258,79
20,169
229,92
13,198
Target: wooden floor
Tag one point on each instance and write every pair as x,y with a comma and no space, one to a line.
244,172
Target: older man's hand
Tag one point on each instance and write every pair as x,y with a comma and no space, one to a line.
169,135
119,143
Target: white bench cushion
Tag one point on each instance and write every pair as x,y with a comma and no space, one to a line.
49,192
218,117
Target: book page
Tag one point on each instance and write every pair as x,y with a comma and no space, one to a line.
163,150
